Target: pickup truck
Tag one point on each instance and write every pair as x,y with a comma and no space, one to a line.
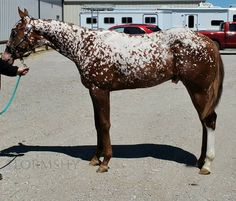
225,37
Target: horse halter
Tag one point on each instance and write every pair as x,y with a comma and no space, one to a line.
15,49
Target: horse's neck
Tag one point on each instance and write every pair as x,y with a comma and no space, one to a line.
65,38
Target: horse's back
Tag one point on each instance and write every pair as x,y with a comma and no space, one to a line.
125,61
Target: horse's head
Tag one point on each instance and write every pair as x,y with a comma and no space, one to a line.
23,38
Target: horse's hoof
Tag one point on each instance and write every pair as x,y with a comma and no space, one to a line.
95,162
204,171
102,168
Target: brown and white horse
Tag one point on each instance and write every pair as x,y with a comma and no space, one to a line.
109,61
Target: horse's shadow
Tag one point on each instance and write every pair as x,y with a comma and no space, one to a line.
158,151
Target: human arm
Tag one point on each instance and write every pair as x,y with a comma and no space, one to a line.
9,70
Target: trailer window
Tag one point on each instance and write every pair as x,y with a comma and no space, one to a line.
150,20
109,20
190,21
90,20
232,27
126,20
216,22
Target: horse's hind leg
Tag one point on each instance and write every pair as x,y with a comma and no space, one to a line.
208,144
203,103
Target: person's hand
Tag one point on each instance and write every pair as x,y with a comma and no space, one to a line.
22,70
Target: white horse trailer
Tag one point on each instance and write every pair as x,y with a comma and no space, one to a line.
195,18
104,19
200,18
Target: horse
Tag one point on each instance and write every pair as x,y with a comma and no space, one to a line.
109,61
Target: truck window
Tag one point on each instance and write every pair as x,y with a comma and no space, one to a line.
120,30
216,22
109,20
222,27
150,20
154,29
234,18
133,30
232,27
126,20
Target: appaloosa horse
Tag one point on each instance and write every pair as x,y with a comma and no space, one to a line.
109,61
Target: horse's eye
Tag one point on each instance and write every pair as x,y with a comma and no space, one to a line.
14,33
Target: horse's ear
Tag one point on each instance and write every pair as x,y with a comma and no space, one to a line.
26,12
21,13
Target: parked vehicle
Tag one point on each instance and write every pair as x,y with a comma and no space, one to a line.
135,28
204,17
225,37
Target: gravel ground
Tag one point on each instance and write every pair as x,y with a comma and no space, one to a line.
48,137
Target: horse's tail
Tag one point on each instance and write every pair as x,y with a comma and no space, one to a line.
216,87
218,82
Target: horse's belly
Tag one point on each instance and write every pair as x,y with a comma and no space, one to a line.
144,77
118,85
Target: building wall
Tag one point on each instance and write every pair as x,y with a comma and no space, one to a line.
49,9
71,13
72,8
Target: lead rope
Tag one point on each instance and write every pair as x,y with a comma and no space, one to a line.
12,97
6,108
13,93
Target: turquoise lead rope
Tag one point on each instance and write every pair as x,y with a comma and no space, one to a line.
12,96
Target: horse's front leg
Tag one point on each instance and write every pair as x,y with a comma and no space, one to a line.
101,105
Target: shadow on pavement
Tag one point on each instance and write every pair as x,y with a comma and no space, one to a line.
158,151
